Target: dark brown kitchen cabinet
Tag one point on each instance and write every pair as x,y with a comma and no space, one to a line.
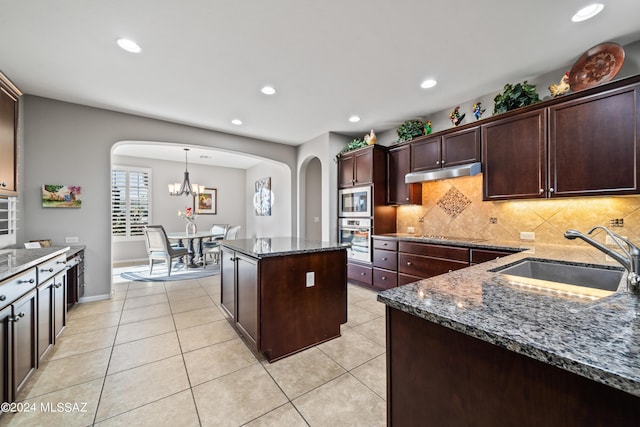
228,281
239,293
451,149
59,304
478,256
357,167
514,153
248,305
9,96
6,354
45,319
385,264
422,260
593,147
398,165
25,349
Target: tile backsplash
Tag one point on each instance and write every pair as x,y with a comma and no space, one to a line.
455,208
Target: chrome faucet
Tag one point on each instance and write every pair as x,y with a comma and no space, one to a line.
630,258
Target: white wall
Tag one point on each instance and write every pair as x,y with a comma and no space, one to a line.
229,182
313,200
278,224
71,144
325,148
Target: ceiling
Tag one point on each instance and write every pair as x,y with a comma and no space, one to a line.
203,62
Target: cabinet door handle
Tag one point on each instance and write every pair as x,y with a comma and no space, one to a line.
3,297
443,162
384,277
50,270
26,281
541,190
57,285
408,262
437,162
384,244
551,190
362,274
3,184
17,317
384,258
61,262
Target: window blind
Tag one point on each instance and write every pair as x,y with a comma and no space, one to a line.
130,201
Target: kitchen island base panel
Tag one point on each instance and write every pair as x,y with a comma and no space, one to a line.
440,376
296,316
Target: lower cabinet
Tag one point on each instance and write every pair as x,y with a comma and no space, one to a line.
32,313
247,292
418,261
25,353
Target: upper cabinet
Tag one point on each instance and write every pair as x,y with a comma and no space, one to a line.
514,157
583,145
593,148
451,149
9,95
398,165
356,167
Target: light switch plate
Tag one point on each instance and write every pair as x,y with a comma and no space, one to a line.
73,239
311,279
411,230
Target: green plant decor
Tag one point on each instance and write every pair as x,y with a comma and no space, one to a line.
515,96
410,129
356,143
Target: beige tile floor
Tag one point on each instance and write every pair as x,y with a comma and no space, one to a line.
165,354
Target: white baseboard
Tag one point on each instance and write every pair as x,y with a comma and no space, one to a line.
94,298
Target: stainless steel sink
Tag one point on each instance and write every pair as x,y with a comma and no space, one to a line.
580,279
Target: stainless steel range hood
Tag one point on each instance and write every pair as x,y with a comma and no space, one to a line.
470,169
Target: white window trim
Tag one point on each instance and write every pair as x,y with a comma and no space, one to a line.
132,169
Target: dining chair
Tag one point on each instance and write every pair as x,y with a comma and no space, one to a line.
159,248
231,234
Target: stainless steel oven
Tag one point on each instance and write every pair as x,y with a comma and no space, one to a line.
357,232
354,202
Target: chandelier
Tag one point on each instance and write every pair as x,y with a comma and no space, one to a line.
186,187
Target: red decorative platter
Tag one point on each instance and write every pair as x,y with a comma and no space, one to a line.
597,65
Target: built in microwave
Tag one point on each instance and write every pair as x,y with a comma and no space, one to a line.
354,202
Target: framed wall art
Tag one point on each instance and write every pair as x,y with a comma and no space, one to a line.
263,197
207,202
61,196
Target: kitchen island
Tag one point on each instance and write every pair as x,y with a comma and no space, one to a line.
471,348
284,294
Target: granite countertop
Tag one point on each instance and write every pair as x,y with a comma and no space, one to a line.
279,246
597,339
15,261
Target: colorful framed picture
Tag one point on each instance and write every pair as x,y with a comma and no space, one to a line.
61,196
206,203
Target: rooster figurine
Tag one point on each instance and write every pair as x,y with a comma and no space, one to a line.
370,138
562,87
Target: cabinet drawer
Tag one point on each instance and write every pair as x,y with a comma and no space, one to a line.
390,245
384,279
483,255
437,251
422,266
385,259
359,273
14,288
48,269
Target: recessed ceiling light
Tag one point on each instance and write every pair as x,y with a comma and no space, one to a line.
129,45
236,122
587,12
428,84
354,119
268,90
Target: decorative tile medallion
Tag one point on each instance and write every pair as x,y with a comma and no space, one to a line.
453,202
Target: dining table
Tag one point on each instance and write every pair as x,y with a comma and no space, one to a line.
193,250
